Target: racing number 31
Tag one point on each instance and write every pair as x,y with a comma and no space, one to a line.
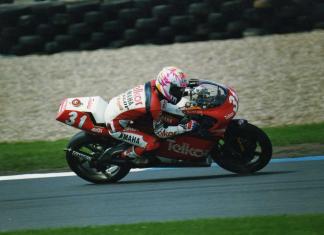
72,118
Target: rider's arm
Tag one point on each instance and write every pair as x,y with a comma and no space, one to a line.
162,130
171,108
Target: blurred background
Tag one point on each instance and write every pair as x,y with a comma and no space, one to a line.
36,26
270,51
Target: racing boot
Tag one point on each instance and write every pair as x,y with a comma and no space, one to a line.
130,153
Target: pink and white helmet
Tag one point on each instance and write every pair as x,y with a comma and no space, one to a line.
171,83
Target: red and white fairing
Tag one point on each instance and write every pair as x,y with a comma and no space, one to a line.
86,113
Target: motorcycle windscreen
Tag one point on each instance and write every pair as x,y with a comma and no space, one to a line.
185,147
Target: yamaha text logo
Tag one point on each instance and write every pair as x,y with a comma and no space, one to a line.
129,138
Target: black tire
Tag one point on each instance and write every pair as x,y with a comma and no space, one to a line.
166,34
52,47
247,149
27,23
88,46
163,12
44,11
319,25
32,40
318,12
60,19
288,12
252,16
128,16
117,44
10,34
202,31
78,9
214,5
148,25
10,14
183,38
5,46
183,22
235,29
132,36
66,41
113,29
79,29
180,6
30,44
198,9
46,31
91,144
144,7
93,17
110,9
218,36
217,21
251,32
6,1
304,23
232,9
99,38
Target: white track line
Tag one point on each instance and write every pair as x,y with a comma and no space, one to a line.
45,175
64,174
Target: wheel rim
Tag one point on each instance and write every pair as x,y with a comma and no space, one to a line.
85,167
247,151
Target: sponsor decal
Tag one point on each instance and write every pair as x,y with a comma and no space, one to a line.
168,119
97,130
230,115
76,102
119,103
194,111
90,103
63,105
165,134
137,94
185,149
164,104
129,138
132,97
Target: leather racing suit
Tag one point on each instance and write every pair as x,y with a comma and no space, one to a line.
137,103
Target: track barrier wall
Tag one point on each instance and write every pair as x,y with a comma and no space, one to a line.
51,27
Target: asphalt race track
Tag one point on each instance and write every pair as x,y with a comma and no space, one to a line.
160,195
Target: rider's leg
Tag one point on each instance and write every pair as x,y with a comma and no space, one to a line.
142,142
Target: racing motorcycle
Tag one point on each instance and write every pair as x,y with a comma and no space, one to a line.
234,144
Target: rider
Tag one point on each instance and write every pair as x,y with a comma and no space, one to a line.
148,100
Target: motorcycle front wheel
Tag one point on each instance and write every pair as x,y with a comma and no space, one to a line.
92,146
246,149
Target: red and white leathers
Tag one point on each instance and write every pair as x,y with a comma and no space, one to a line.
135,104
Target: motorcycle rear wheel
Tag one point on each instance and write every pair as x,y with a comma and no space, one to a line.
246,150
93,146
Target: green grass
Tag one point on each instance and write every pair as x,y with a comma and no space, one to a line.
31,156
49,155
296,134
272,225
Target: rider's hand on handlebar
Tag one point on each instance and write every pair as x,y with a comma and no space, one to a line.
190,125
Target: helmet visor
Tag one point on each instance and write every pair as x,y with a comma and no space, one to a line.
176,91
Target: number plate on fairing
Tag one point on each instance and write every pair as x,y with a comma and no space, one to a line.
85,113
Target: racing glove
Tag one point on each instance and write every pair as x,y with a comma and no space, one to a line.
163,131
191,125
